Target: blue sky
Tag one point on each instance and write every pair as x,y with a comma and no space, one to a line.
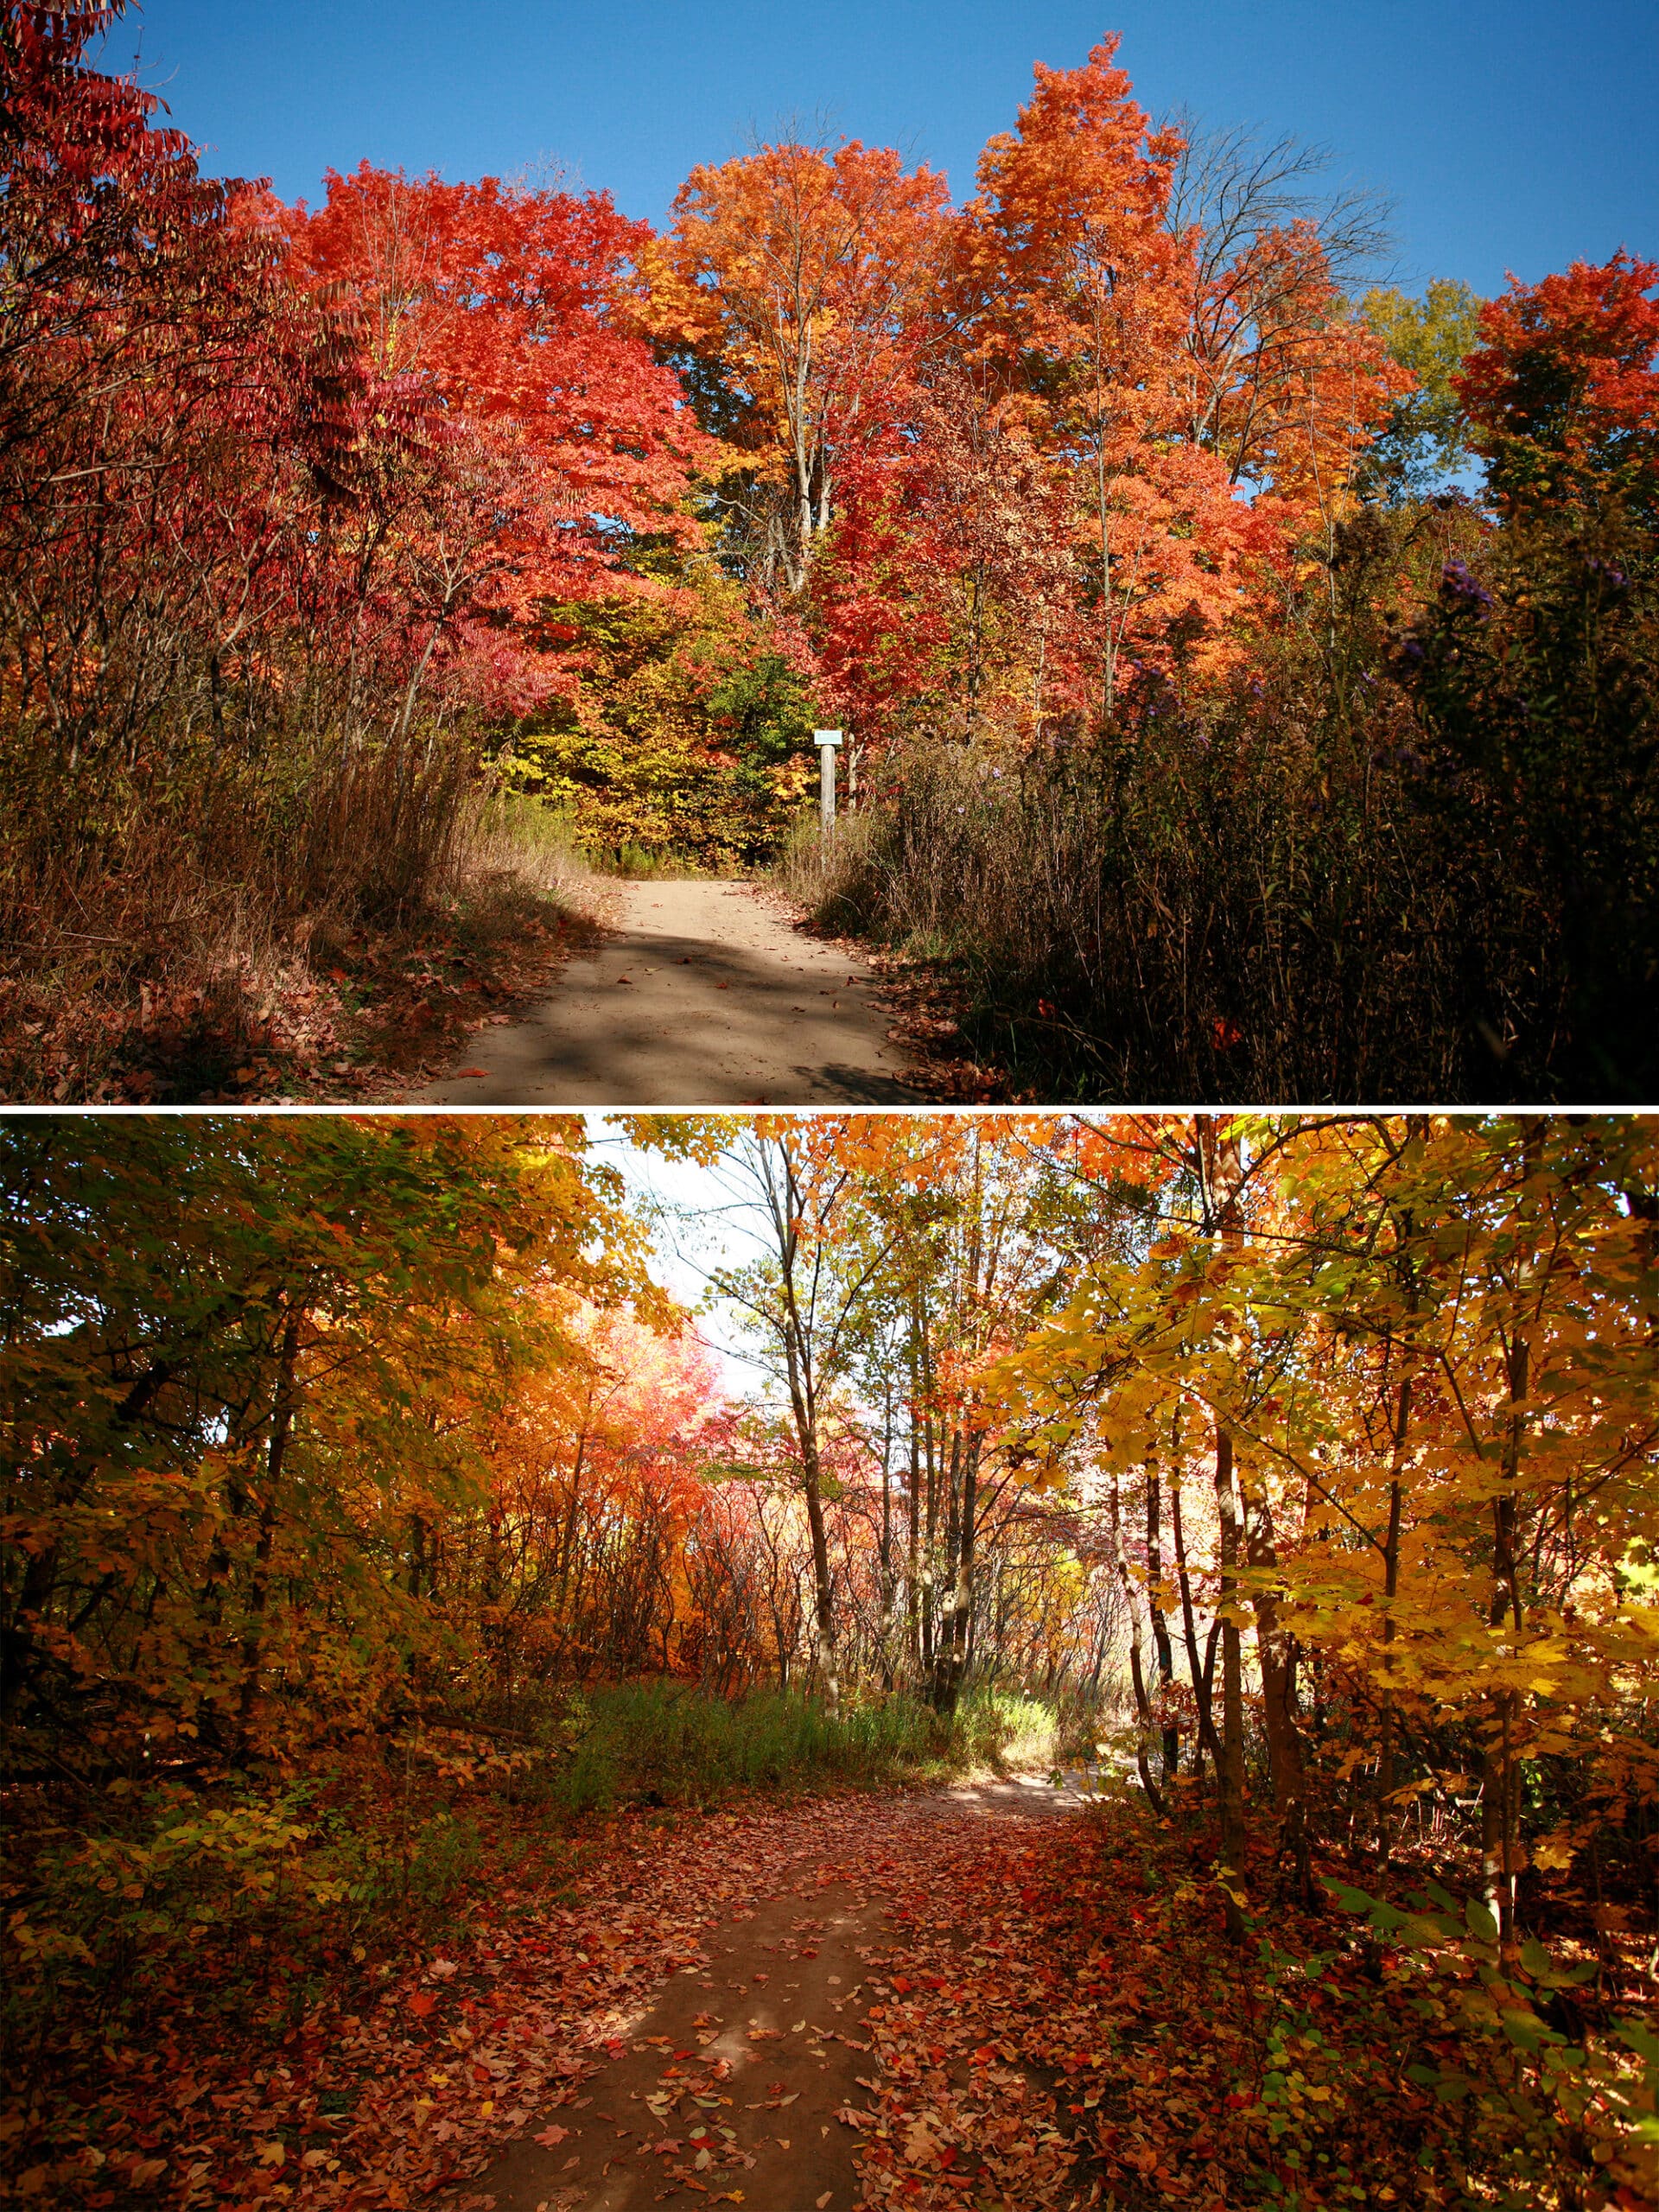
1511,133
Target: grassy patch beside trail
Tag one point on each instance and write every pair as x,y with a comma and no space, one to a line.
341,999
272,1890
656,1743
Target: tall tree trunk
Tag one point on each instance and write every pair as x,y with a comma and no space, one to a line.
1201,1670
1499,1771
822,1586
913,1547
1137,1672
1230,1766
1277,1659
956,1620
1171,1743
889,1578
281,1426
1385,1781
802,1399
1221,1172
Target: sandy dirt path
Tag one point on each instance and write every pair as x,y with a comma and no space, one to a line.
701,993
735,2073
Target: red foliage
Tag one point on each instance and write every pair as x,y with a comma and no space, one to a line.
1563,390
550,439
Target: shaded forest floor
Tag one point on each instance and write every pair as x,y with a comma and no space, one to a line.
357,1013
436,1006
928,1998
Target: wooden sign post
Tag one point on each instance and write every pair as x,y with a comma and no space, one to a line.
826,741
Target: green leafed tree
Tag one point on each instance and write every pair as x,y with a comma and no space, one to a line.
1425,441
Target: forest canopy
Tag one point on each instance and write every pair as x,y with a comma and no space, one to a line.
1303,1468
1268,652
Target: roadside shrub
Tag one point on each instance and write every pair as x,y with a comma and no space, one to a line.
1412,857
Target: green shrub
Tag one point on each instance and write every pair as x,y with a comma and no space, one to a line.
662,1743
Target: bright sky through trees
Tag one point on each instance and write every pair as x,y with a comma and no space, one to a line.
1510,137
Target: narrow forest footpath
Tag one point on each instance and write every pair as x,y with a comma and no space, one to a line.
799,2005
698,992
749,2079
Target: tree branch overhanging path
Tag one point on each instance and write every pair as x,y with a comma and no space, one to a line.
432,1678
700,990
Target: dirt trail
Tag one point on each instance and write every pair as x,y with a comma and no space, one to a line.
736,2073
702,992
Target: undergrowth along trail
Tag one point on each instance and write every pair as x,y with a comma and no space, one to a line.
1000,1994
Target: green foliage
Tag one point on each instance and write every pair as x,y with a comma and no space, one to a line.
1425,440
688,736
660,1742
1480,2020
237,1888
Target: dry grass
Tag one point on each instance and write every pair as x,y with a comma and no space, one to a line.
248,936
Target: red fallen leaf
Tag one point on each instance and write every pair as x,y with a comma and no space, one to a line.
422,2002
549,2136
460,1073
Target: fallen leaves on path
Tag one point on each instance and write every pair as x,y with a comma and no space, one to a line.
1053,2022
464,2049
